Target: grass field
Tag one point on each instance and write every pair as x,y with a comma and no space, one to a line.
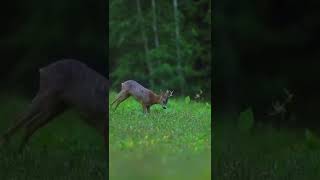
64,149
169,144
264,153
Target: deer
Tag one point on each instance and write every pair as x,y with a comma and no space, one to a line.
65,84
146,97
280,108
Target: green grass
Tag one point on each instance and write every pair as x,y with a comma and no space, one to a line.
166,144
264,153
64,149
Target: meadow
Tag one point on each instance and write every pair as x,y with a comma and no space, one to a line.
167,144
246,150
64,149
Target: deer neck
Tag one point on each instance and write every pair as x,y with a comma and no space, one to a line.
154,98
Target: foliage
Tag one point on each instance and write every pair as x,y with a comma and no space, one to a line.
127,58
166,144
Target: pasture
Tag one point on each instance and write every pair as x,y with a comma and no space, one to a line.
167,144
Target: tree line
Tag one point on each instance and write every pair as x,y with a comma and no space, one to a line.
162,44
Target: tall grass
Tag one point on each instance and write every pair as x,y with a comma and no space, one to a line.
64,149
264,153
166,144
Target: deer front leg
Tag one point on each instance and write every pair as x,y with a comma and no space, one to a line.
144,108
148,109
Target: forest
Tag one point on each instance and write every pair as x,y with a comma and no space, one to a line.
161,44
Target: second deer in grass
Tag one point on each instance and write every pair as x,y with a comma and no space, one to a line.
146,97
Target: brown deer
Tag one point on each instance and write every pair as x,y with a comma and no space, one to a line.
63,85
146,97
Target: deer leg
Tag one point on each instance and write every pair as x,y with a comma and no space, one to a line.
37,123
120,94
121,99
148,109
144,108
7,136
34,110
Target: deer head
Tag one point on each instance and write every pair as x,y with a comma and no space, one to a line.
164,97
280,108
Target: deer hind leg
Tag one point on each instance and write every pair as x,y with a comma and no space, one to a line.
31,113
44,118
120,100
123,95
119,95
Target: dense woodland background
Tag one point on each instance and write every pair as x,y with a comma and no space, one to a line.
262,48
35,33
161,44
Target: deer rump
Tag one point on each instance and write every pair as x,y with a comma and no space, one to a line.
66,84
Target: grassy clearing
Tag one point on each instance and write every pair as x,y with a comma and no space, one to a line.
64,149
264,153
166,144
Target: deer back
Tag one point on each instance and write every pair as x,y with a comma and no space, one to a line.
77,85
137,90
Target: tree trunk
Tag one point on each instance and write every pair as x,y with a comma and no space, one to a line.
145,41
179,68
155,28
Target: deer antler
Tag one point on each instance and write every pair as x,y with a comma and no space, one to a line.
198,95
171,92
280,108
289,95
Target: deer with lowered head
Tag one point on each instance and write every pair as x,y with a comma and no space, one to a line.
146,97
63,85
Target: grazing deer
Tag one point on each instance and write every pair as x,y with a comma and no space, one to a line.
65,84
280,108
146,97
